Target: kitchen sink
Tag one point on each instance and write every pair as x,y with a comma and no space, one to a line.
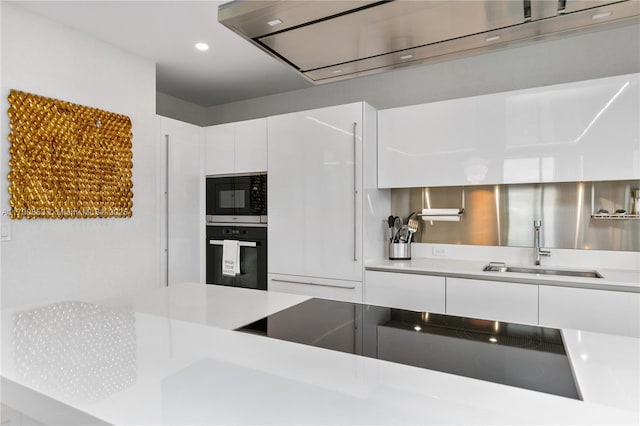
501,267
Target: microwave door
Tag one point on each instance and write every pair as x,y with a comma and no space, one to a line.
226,195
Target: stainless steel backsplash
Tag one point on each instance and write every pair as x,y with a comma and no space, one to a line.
503,215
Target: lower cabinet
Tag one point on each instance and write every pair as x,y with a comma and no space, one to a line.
603,311
493,300
348,291
423,293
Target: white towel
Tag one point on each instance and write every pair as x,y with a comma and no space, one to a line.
230,258
440,212
455,218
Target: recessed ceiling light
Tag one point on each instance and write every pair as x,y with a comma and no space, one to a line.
202,46
492,38
274,22
405,57
601,15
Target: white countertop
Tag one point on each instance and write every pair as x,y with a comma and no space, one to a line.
613,279
135,362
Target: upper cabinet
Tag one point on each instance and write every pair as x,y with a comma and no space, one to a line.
239,147
581,131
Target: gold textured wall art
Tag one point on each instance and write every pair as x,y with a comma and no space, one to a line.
68,160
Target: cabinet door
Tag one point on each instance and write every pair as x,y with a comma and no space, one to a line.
184,206
603,311
423,293
219,143
457,142
314,216
346,291
585,130
499,301
251,146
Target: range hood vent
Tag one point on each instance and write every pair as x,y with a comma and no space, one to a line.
333,40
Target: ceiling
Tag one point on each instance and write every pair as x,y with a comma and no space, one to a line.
165,32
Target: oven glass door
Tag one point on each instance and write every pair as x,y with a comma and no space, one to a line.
253,256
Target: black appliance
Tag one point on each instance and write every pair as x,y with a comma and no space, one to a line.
253,256
237,199
518,355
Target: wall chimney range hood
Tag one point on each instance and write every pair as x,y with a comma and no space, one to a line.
333,40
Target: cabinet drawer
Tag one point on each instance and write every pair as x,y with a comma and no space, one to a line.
602,311
415,292
500,301
347,291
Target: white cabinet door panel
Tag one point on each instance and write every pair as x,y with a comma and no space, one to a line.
608,132
347,291
602,311
492,300
185,209
423,293
251,146
586,130
219,143
458,142
315,224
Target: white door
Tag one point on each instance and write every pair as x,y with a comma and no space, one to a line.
314,217
183,202
219,144
251,146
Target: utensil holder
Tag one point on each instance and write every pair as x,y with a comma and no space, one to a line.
399,251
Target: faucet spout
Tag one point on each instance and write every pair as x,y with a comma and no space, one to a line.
537,249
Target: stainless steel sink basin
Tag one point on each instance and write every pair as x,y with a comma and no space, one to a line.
501,267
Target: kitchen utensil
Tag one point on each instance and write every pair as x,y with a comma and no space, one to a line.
397,224
403,234
390,222
412,227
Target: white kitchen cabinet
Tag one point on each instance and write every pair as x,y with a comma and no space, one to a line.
584,130
423,293
492,300
316,192
183,202
324,288
219,145
612,312
239,147
251,146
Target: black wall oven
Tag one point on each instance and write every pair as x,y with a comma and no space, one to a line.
253,256
237,210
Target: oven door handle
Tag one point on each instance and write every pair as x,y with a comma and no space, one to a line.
240,243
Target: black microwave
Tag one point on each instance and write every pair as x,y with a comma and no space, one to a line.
237,198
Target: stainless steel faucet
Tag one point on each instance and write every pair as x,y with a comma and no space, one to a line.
537,251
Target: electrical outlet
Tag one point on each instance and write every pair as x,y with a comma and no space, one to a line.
5,232
440,252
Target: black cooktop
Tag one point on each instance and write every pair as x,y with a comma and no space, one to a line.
519,355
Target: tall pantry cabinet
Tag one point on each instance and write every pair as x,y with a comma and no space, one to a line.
325,211
182,202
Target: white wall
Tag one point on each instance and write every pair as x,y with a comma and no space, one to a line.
578,57
176,108
79,258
